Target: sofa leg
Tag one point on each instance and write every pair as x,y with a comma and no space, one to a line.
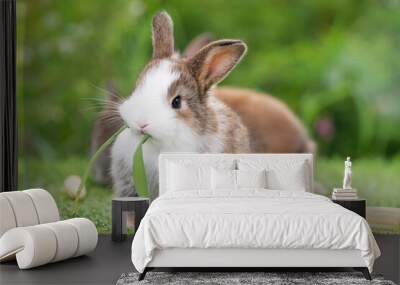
364,271
143,274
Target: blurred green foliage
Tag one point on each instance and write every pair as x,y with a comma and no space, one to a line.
335,63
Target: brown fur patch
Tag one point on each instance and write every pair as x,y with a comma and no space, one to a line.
272,126
163,36
230,127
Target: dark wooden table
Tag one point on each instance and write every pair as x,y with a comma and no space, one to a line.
358,206
120,208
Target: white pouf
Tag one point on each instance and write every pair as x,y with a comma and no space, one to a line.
31,233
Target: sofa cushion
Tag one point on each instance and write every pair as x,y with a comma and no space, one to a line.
26,208
40,244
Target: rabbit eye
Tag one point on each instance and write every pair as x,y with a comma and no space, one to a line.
176,102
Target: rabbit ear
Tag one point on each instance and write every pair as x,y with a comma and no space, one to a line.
214,61
163,36
197,43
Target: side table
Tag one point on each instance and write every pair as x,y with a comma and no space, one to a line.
120,207
358,206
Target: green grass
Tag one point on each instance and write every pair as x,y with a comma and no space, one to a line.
377,180
50,175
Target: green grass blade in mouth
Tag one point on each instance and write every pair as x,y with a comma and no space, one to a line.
90,165
138,169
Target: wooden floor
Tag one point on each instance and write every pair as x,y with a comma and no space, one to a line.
110,260
103,266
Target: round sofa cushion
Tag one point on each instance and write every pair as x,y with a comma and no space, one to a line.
7,220
40,244
26,208
45,206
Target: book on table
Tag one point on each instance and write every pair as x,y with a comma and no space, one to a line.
344,194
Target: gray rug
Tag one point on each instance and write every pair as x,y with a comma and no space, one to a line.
232,278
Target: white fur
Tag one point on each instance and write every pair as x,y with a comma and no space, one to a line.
148,104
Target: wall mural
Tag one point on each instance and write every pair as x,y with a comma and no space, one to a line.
219,77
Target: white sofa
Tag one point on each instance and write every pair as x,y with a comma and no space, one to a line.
31,231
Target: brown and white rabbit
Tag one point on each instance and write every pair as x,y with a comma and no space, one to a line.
173,101
272,126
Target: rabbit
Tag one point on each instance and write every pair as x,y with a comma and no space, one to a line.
173,102
272,126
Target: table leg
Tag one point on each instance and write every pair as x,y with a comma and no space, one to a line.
140,211
117,222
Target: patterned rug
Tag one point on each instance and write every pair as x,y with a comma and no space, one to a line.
242,278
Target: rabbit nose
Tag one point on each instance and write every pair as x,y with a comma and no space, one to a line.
143,127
